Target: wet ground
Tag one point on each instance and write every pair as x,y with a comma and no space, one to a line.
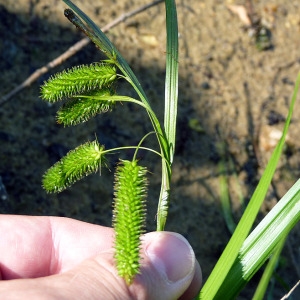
233,98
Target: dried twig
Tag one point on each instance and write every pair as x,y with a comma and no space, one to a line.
291,291
72,50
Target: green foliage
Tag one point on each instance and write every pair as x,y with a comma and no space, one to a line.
243,256
83,160
129,216
78,80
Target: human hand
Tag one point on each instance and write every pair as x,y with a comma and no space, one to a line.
61,258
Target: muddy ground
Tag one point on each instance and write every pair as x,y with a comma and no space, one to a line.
231,94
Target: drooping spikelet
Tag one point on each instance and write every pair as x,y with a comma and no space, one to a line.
78,163
78,80
82,108
129,217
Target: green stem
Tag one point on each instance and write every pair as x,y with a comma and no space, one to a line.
131,147
140,143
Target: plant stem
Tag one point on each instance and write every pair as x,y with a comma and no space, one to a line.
171,96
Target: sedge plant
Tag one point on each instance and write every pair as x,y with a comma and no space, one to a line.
90,90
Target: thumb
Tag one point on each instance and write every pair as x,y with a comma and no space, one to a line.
168,271
169,267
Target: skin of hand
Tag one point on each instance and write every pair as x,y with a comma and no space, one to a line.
61,258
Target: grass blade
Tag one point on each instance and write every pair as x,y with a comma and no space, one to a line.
232,249
171,83
262,242
170,116
268,272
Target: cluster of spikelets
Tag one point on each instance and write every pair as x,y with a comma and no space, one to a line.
88,91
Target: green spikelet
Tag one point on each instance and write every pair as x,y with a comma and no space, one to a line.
79,162
129,217
80,109
78,80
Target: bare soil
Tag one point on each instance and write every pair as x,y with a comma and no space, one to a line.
233,98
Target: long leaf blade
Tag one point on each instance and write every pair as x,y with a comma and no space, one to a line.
232,249
170,114
262,242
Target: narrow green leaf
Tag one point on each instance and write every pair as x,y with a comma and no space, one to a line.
90,29
225,198
268,272
171,82
105,45
170,113
232,249
262,242
273,229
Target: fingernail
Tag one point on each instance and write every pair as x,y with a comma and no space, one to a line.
171,254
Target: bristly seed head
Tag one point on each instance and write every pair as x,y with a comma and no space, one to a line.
129,217
78,80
